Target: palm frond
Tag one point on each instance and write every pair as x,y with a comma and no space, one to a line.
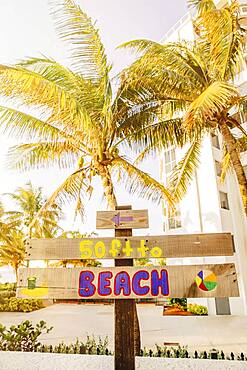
69,191
243,104
211,102
42,155
26,87
86,92
171,68
219,29
140,46
184,171
76,28
202,6
157,136
54,72
141,183
22,125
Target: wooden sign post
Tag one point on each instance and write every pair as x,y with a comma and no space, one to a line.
125,319
124,282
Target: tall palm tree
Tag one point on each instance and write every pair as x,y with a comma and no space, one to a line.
193,83
75,119
28,200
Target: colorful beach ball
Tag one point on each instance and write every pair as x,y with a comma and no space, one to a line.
206,280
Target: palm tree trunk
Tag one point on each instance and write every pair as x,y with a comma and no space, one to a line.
231,146
108,188
16,272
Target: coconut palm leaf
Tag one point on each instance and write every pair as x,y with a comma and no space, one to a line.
219,29
141,183
178,56
25,87
83,90
157,136
202,6
76,28
42,155
183,172
69,191
209,104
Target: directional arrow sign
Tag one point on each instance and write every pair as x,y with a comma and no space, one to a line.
124,219
117,219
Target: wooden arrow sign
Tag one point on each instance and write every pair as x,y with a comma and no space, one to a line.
122,219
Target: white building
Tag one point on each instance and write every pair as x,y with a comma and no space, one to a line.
209,205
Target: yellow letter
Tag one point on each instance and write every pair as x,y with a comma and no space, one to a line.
128,250
99,249
115,247
86,251
156,252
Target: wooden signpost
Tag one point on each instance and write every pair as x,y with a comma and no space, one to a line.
125,283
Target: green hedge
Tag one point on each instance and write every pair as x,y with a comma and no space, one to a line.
8,286
14,304
7,294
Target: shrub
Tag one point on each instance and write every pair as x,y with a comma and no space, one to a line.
197,309
164,351
180,303
7,293
90,347
14,304
8,286
23,337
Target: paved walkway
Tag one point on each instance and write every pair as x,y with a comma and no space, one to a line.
71,321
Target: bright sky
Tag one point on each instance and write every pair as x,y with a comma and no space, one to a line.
26,29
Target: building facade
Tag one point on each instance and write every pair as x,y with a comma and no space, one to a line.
210,205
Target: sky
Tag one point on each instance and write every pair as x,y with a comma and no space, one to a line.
26,29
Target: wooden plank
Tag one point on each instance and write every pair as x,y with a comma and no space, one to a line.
122,219
169,246
177,281
125,314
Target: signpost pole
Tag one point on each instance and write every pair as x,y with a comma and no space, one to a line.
125,317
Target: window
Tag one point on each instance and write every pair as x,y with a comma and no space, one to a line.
215,141
218,168
174,221
170,160
224,200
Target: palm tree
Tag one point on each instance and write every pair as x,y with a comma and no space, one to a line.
192,82
28,200
75,118
12,248
14,225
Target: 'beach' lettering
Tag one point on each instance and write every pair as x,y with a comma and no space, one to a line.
123,284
